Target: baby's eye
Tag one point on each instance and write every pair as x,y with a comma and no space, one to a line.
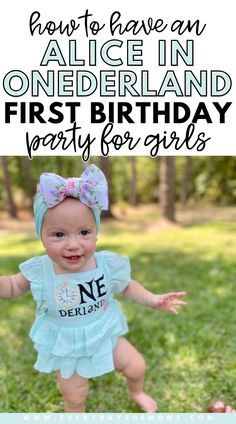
59,234
84,233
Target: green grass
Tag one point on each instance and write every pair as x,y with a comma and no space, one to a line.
190,358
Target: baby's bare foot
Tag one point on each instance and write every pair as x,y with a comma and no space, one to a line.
146,403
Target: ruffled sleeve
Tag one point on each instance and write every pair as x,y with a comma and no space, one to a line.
32,270
118,269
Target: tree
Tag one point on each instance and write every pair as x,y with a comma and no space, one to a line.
186,181
167,187
29,179
105,167
7,187
133,182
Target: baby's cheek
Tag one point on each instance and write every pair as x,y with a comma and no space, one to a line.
91,247
52,250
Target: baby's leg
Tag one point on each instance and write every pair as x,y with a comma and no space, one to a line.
128,360
74,391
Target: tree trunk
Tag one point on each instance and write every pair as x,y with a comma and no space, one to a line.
167,187
31,189
7,185
186,183
105,167
133,182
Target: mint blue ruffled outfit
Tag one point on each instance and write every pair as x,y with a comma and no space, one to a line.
78,320
79,338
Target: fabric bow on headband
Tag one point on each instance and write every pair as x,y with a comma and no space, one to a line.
91,188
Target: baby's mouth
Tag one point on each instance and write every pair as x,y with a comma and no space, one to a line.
72,258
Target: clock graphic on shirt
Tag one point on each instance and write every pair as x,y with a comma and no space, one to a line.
67,296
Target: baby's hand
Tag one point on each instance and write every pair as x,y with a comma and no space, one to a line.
168,301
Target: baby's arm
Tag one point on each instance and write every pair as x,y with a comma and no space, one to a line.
165,302
13,286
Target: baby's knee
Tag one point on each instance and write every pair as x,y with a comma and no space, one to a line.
75,399
141,365
136,368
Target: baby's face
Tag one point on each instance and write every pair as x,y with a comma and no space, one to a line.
69,236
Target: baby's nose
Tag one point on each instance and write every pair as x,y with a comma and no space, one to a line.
73,242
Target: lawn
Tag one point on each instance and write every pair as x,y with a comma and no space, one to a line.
190,358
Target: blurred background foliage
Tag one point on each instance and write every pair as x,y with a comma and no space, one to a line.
132,180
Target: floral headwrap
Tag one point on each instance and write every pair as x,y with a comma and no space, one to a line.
91,189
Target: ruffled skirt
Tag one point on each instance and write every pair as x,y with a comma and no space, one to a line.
86,350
